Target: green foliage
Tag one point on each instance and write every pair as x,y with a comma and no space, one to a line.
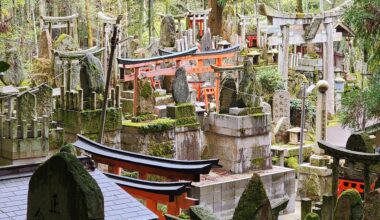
312,216
311,187
133,174
296,108
291,162
353,108
222,3
270,80
69,148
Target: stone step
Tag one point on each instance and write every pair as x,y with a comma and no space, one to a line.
127,94
161,92
164,100
160,111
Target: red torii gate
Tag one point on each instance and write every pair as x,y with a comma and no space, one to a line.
189,55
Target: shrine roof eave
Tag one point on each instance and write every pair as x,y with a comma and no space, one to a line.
343,153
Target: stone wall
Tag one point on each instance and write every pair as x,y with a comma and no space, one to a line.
240,142
221,194
187,143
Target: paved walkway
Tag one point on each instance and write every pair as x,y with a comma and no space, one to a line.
336,135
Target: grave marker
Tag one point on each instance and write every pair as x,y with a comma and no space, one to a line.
281,106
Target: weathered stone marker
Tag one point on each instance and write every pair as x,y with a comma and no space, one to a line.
91,75
44,97
146,99
62,189
26,107
349,206
167,37
248,87
372,205
254,203
45,45
180,86
281,106
321,118
227,98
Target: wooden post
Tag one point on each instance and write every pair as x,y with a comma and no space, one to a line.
135,90
109,71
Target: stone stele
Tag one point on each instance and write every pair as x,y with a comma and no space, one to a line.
167,36
62,189
180,86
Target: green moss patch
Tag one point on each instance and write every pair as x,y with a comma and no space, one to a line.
200,213
158,125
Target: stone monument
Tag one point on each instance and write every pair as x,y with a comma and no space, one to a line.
62,189
168,35
91,75
227,98
281,106
180,86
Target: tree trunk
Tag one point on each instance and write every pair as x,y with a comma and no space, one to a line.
215,18
89,26
299,6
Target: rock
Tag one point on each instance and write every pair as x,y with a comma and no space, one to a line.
372,206
26,107
65,43
254,203
349,206
91,75
180,86
44,97
168,33
62,189
153,48
146,99
206,41
132,45
45,45
227,98
141,53
249,88
228,23
15,74
200,213
360,142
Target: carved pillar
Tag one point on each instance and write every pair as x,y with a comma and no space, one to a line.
321,117
329,65
283,57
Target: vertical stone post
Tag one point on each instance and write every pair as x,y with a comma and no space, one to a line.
321,118
327,206
283,57
367,183
63,97
80,99
305,207
34,128
328,63
321,5
93,101
10,108
112,104
335,178
117,91
24,129
317,211
2,120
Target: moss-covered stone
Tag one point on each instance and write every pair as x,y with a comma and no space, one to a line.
200,213
311,187
181,111
254,203
158,125
349,206
312,216
360,142
62,185
69,148
88,121
257,163
165,149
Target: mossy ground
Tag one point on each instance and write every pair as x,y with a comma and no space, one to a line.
158,125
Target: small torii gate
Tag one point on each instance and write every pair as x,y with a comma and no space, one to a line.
199,17
313,21
70,22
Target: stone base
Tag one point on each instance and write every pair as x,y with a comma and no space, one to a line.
240,142
187,143
221,193
324,175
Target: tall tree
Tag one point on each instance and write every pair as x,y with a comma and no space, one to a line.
299,6
89,26
215,16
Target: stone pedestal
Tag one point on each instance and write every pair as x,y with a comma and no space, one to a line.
324,174
240,142
221,193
